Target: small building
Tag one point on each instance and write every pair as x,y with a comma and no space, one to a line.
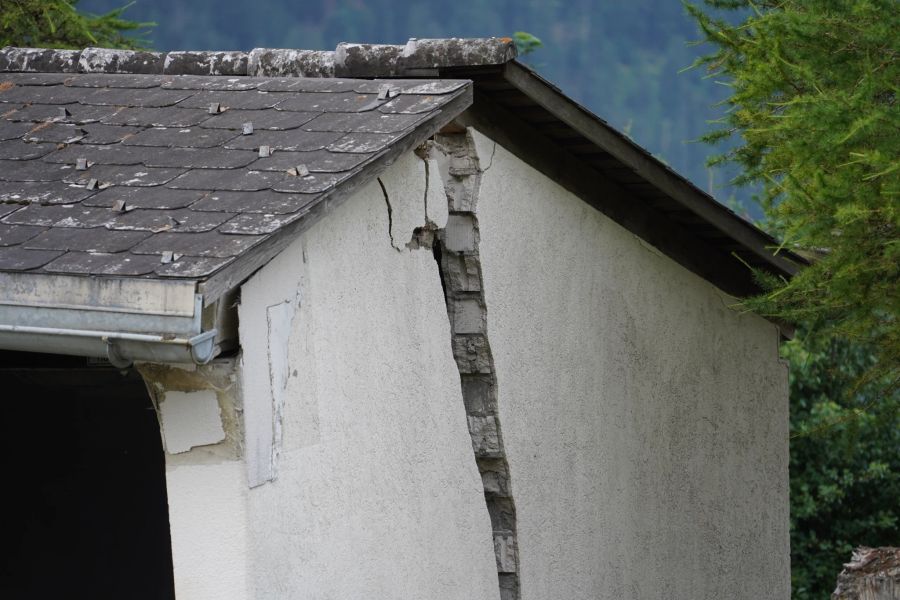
384,322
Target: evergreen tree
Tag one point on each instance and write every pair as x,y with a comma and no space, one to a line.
59,24
813,104
814,100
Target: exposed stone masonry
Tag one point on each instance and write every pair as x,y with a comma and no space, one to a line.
460,265
414,59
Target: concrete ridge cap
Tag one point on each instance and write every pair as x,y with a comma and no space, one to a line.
416,57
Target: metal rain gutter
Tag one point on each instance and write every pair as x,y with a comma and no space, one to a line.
123,320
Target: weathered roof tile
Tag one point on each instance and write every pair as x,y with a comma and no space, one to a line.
107,174
11,235
265,201
261,119
210,243
103,264
41,193
97,239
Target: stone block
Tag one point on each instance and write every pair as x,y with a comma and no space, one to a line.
463,272
468,315
459,236
472,354
485,436
478,395
505,552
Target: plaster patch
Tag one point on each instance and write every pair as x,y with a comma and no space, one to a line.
190,419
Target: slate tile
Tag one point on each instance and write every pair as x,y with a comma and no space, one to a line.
97,239
192,266
183,138
169,220
311,184
256,224
32,170
13,131
231,180
412,104
52,94
78,114
364,142
308,84
317,161
326,102
411,86
373,122
17,258
209,243
55,133
42,193
213,82
145,197
293,140
250,100
16,150
6,209
109,154
118,80
261,119
255,202
60,215
120,263
131,176
35,78
200,158
97,133
170,116
123,97
11,235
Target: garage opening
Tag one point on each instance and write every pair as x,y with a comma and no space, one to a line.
85,510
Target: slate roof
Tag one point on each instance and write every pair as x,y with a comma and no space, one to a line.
163,175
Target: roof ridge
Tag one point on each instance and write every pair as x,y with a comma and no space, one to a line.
418,57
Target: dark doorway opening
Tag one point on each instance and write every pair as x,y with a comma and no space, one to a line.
86,514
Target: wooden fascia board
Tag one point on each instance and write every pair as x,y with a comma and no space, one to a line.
683,246
679,190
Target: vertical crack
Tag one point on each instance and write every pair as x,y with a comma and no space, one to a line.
458,257
390,213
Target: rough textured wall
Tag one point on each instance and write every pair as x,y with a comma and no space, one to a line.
645,421
375,491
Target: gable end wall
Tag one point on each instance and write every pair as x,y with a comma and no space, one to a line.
645,418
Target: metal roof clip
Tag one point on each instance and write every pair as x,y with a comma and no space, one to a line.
384,92
92,184
265,151
64,112
247,128
299,171
215,108
169,256
81,164
120,206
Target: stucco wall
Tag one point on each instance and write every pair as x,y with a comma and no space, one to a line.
645,421
346,352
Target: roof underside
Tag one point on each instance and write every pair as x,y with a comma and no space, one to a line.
176,180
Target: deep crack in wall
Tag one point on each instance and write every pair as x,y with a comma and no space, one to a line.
457,254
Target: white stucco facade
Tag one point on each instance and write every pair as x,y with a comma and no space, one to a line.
645,419
365,485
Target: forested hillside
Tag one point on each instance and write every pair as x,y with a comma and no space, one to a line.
620,59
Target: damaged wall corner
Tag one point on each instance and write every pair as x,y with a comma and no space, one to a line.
200,410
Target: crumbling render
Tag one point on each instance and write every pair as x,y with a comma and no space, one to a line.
457,253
